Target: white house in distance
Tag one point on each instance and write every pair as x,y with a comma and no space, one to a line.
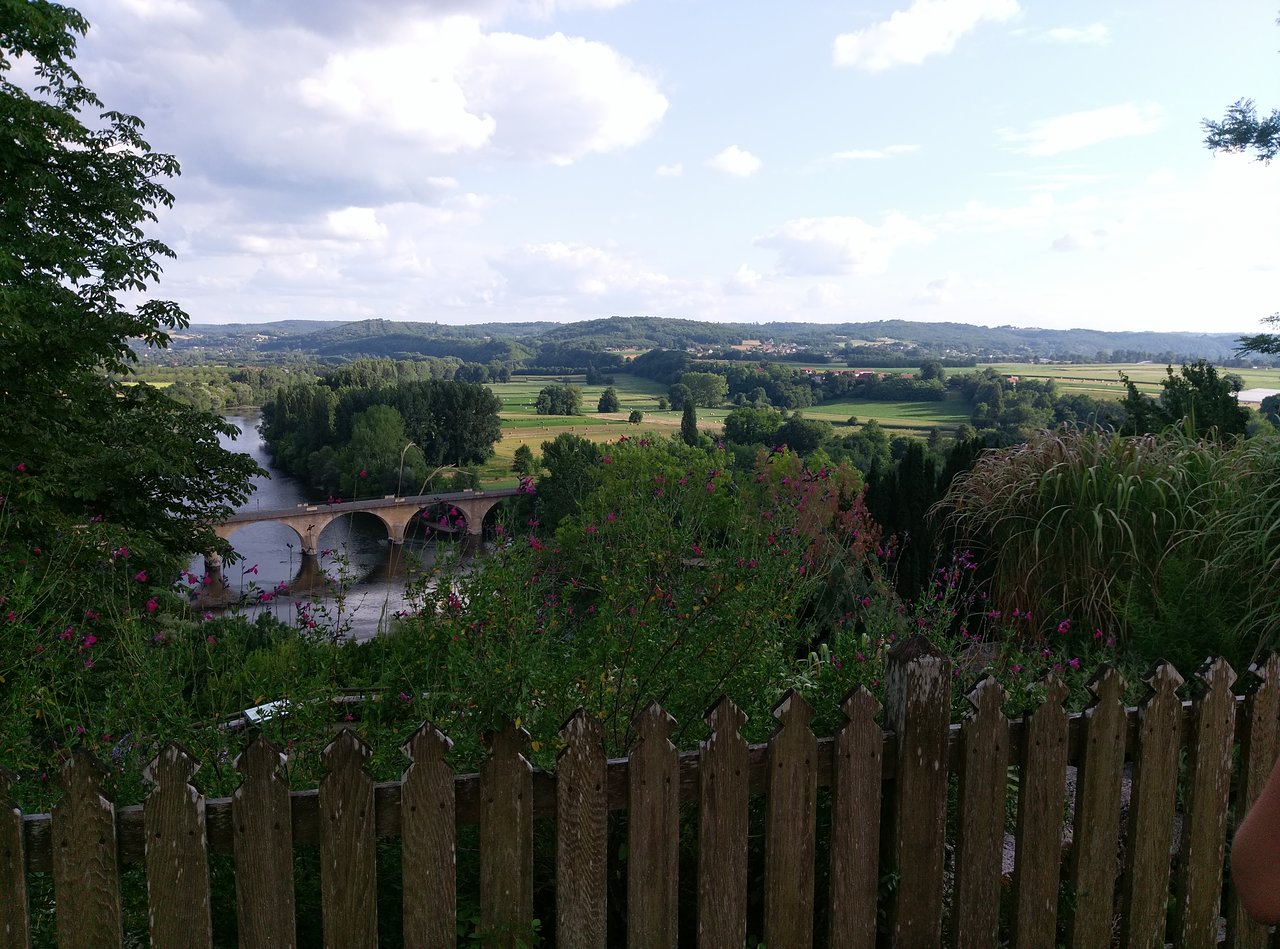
1254,396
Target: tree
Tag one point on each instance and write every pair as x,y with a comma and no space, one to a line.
525,463
748,426
707,389
559,399
1197,398
78,184
678,395
932,369
571,462
636,417
608,400
689,423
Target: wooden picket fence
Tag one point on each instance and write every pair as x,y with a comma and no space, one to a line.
893,865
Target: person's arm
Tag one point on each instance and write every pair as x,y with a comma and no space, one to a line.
1255,854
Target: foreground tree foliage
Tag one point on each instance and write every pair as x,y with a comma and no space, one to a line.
78,185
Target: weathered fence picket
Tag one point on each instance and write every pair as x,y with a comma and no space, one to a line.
722,829
791,831
86,874
429,850
348,867
582,808
653,833
1096,837
1038,840
1204,824
856,768
506,839
1144,901
980,835
888,822
14,932
1258,749
177,854
263,842
917,710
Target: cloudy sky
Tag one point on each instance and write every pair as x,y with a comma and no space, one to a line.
1023,162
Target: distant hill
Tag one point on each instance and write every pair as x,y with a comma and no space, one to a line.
543,343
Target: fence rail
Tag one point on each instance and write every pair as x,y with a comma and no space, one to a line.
888,819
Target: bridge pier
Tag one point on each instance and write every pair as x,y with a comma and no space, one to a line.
212,570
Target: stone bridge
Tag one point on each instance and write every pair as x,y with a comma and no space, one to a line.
308,521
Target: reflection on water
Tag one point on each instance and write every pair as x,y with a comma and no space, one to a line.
355,586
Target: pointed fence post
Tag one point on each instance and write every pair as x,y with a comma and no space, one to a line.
506,839
582,810
14,931
428,825
1204,825
1096,828
1041,799
1258,749
653,833
855,823
262,840
177,853
918,712
348,869
722,829
86,874
1152,802
792,826
980,840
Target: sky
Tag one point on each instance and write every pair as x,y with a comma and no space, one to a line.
999,162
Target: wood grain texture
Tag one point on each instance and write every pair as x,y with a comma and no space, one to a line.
980,837
1258,750
177,854
917,711
653,833
722,829
86,878
1204,823
581,834
348,869
1145,888
14,928
791,827
506,839
263,846
1096,841
855,823
429,853
1041,799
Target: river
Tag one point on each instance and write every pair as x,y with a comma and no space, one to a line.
364,578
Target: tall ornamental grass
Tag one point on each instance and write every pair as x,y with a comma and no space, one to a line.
1118,533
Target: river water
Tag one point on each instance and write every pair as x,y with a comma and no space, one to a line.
363,579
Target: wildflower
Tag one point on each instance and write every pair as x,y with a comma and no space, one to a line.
363,473
10,616
265,597
88,641
253,570
611,517
207,616
1074,663
211,640
608,459
141,576
80,729
67,634
152,605
536,544
120,553
88,663
1097,634
1015,668
697,549
405,697
1064,627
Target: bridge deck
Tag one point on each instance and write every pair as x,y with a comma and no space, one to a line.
370,504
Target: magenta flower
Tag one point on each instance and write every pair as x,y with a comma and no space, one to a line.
141,576
89,641
1063,628
152,605
211,640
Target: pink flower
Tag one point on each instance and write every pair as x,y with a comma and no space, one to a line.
363,473
1016,668
265,597
22,468
211,640
1074,663
253,570
1064,627
1097,634
611,517
88,663
207,616
89,641
10,616
536,544
697,549
141,576
67,634
404,697
152,605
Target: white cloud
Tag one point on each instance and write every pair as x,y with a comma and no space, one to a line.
924,29
735,161
1075,130
670,171
841,245
937,292
822,296
1095,34
744,281
359,224
873,154
559,269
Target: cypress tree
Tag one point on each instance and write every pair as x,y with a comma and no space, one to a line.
689,423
